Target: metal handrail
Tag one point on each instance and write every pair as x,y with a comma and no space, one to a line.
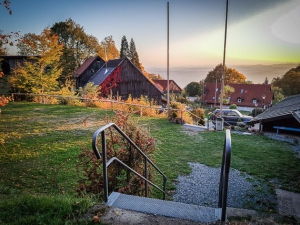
106,163
223,186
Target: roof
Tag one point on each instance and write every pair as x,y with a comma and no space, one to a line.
163,85
246,92
86,64
105,71
283,109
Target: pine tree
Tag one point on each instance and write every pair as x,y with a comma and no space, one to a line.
124,51
133,55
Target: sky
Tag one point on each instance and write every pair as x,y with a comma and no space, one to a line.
259,32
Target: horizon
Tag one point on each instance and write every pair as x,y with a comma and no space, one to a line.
259,32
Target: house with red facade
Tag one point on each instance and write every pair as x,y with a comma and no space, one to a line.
245,96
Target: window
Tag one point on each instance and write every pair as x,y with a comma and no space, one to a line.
213,98
254,101
239,100
242,91
229,98
232,114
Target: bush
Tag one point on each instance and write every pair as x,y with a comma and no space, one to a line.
256,111
199,116
233,106
119,178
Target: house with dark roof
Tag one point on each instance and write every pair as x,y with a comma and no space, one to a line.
245,96
284,114
118,77
9,62
163,85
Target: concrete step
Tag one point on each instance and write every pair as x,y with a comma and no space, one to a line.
164,208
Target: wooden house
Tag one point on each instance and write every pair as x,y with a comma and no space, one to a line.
9,62
285,114
118,77
245,96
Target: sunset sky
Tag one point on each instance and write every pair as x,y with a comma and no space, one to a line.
259,31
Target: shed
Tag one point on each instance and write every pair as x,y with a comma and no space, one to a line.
285,113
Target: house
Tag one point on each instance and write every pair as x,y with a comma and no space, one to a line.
118,77
163,86
245,96
285,113
9,62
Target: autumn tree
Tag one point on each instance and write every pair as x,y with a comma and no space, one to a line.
124,51
232,76
78,46
133,55
108,49
289,82
193,89
41,76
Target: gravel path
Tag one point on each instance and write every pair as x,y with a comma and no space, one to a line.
201,187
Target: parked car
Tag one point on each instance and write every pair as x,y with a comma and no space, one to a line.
230,116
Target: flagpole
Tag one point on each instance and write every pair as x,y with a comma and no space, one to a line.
224,56
168,86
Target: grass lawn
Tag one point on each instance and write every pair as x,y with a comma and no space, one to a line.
39,145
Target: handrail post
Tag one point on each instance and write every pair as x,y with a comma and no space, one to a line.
104,160
224,177
164,187
146,176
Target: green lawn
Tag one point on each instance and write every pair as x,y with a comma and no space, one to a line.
40,144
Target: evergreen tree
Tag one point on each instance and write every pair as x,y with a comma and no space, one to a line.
124,51
133,55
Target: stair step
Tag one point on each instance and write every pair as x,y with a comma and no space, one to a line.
164,208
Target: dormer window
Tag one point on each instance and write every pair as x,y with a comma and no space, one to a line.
92,71
229,98
254,101
239,100
242,91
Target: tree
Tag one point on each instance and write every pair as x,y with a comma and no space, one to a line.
278,95
193,89
6,4
78,46
227,90
39,77
289,82
108,49
232,76
133,55
124,51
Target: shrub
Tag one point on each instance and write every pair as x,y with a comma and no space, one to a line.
119,178
199,116
256,111
233,106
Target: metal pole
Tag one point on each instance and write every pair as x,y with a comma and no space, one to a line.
224,56
168,87
104,158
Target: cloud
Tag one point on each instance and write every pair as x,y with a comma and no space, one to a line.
287,26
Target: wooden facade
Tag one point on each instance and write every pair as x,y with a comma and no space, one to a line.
129,80
10,62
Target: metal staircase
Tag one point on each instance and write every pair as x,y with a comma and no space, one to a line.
162,207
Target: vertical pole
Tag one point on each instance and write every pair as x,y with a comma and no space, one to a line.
104,158
146,176
224,56
168,87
